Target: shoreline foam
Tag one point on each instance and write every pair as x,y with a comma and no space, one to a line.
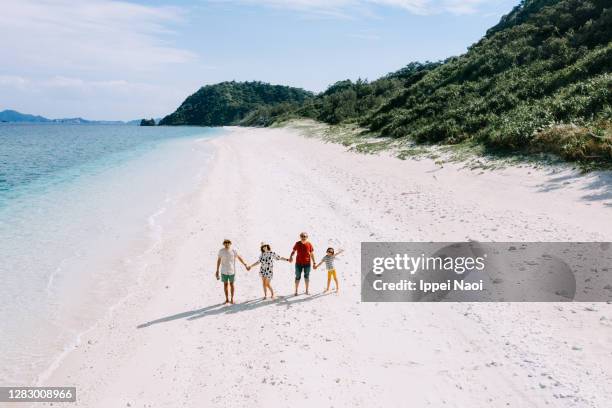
138,261
87,270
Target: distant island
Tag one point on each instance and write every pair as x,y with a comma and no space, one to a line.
147,122
12,116
538,81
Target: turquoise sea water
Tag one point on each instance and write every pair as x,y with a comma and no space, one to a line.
34,157
79,205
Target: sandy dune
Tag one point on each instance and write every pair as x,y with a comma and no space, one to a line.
172,344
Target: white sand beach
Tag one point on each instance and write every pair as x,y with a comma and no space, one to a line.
172,343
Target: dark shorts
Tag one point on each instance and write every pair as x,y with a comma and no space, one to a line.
302,268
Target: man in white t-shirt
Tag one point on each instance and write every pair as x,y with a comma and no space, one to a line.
226,260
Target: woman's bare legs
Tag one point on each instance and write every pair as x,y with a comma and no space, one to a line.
265,287
270,287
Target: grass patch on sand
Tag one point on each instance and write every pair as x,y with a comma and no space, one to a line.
549,151
347,134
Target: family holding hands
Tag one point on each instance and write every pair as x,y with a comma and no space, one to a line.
304,251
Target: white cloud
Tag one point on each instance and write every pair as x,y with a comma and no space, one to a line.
13,81
345,8
61,96
91,35
463,6
413,6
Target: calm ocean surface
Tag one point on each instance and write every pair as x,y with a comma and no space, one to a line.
79,205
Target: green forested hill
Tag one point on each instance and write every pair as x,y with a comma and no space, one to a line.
540,80
345,100
227,103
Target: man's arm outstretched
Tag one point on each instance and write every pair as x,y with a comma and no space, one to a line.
242,261
292,253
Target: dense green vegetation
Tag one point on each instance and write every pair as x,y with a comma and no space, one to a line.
345,100
538,81
147,122
545,68
227,103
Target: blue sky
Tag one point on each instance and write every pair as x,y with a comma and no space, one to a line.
124,60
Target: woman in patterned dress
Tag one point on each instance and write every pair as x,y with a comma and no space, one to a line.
266,269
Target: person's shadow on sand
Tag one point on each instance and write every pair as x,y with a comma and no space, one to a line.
179,316
222,308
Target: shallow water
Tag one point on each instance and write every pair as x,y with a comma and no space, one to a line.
79,206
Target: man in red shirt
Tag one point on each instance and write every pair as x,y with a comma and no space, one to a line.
305,255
